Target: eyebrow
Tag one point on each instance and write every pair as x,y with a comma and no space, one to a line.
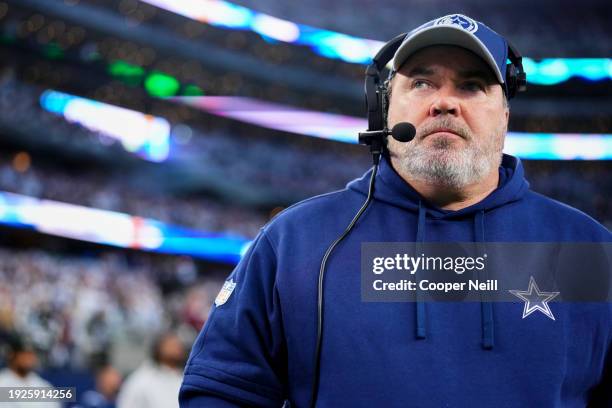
421,71
476,73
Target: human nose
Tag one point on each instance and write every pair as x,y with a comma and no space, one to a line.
445,103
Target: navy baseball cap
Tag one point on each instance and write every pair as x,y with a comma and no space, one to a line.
460,30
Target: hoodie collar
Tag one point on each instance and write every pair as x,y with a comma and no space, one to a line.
391,188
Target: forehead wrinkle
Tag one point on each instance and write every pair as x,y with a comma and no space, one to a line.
420,70
426,61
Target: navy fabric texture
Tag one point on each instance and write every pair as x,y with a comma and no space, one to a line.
257,349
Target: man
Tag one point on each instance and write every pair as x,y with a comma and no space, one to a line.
450,183
22,361
156,384
108,382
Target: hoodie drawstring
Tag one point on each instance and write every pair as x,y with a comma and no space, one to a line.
488,339
421,318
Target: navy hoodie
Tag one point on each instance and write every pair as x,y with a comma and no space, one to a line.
257,348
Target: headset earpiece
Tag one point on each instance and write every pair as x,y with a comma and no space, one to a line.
373,88
373,98
511,80
516,79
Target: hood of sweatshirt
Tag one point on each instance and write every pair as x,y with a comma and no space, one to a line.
392,189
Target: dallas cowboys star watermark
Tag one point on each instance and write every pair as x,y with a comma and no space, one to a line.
535,301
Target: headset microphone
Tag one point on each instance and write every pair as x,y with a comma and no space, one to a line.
403,132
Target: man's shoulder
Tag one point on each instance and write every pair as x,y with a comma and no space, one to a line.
38,381
9,379
316,208
5,377
550,210
140,376
556,208
315,216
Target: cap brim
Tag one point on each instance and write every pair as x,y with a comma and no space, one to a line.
445,35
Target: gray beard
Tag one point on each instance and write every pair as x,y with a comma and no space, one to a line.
441,163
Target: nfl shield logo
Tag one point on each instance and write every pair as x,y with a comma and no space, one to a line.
225,292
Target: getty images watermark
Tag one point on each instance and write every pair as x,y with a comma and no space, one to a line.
494,271
412,264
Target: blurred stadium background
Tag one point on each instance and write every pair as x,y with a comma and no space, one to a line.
144,143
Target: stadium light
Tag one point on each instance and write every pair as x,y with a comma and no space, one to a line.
161,85
117,229
334,45
145,135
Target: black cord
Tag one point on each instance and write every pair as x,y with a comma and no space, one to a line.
317,358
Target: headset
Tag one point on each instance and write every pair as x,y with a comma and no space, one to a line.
376,98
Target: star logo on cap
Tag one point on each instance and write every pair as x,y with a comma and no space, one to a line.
535,300
460,20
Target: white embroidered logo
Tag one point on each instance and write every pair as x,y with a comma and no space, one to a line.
225,292
535,300
460,20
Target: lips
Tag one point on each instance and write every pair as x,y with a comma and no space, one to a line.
444,130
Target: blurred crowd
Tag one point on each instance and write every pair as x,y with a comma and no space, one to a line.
584,185
284,170
80,312
113,314
100,191
155,383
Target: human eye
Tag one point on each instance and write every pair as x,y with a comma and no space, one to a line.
473,86
419,84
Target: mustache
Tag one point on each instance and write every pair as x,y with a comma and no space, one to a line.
449,124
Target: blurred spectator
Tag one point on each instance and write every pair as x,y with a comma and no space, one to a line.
156,383
108,381
22,361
